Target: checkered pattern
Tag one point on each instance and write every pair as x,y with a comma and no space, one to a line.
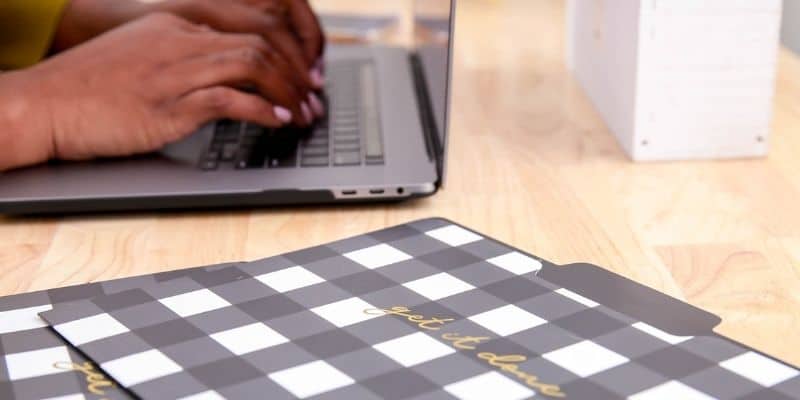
29,350
293,327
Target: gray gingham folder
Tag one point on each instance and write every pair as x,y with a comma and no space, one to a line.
576,330
36,364
426,310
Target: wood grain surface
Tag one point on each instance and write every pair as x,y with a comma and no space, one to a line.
532,164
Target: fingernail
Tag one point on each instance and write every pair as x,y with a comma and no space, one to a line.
283,114
316,77
306,112
316,104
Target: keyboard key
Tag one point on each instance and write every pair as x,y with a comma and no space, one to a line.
349,146
227,133
370,121
227,126
247,141
347,158
315,151
317,142
374,161
229,151
223,139
262,148
346,140
353,134
314,162
348,120
253,130
319,131
344,128
209,165
345,115
266,147
288,162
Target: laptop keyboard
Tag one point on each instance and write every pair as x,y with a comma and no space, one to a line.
349,135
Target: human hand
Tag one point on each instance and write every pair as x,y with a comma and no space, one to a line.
289,25
141,86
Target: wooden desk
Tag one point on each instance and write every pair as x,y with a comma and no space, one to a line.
531,164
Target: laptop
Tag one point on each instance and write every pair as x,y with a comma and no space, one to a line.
388,67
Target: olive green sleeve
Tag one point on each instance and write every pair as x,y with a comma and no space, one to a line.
26,30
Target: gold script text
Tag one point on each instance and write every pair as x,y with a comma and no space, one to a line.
510,363
95,380
464,342
431,324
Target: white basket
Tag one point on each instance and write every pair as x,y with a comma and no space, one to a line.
679,79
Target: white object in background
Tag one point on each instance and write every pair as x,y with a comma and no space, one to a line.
679,79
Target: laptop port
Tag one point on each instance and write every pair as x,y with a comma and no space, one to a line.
376,191
348,192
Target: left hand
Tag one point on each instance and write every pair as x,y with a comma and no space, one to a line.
140,86
288,25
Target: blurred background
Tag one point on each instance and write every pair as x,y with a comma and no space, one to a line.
393,22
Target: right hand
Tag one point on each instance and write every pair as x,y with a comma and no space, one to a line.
289,25
146,84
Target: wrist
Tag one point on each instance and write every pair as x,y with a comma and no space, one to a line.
82,20
26,131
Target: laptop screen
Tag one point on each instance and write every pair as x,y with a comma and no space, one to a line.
422,26
432,28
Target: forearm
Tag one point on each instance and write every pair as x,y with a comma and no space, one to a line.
25,133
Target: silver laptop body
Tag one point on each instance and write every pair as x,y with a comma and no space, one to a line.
383,139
